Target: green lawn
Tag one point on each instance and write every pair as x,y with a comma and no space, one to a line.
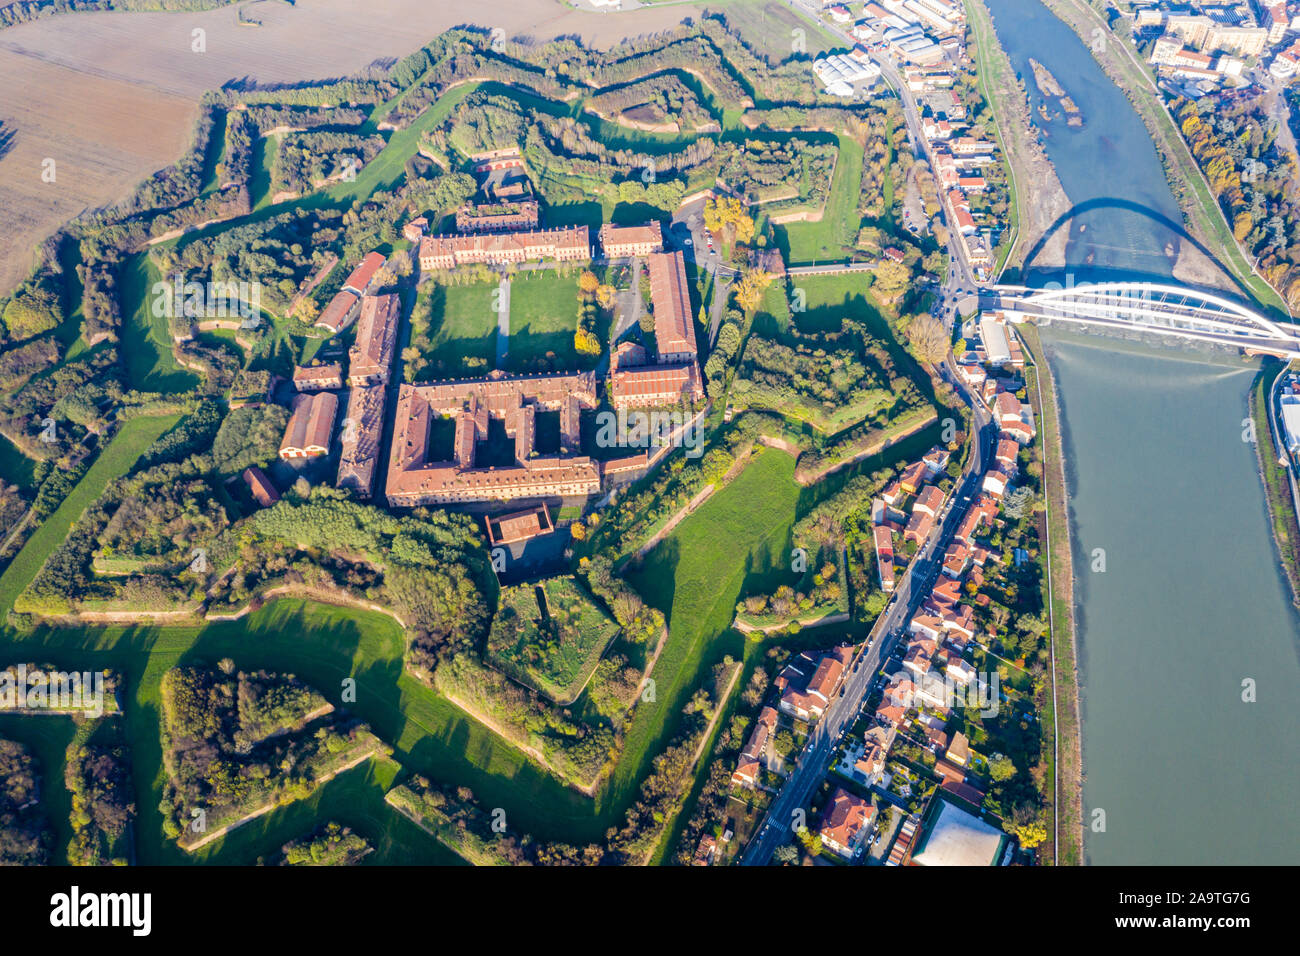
146,341
543,319
695,576
215,154
113,462
462,326
830,299
15,467
265,149
809,242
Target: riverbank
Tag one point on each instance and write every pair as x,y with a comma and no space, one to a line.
1037,197
1066,723
1278,483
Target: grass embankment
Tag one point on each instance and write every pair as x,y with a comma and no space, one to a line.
1277,485
1062,742
1134,77
811,242
695,576
15,467
321,645
113,462
151,365
994,69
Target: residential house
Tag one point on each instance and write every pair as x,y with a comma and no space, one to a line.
750,766
846,821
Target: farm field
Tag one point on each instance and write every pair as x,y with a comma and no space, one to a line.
139,113
114,461
769,25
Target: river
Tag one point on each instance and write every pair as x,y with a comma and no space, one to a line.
1191,603
1127,222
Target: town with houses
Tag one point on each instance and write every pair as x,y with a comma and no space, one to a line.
925,43
926,812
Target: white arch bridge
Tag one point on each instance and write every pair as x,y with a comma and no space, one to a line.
1149,307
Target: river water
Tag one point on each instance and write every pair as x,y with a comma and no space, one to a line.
1126,223
1191,607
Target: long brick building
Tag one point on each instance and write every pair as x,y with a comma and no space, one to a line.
675,377
310,426
360,441
371,356
414,478
562,245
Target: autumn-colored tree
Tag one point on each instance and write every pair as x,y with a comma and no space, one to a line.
928,339
1241,225
892,279
1026,825
750,289
726,216
588,283
307,310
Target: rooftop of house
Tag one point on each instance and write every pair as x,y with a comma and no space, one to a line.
844,816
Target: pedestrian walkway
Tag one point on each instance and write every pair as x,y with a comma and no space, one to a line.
502,305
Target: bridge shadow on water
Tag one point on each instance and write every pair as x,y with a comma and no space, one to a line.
1039,275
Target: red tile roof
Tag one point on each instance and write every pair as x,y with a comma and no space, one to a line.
336,313
360,278
674,324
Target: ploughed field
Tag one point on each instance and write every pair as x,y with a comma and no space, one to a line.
112,97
